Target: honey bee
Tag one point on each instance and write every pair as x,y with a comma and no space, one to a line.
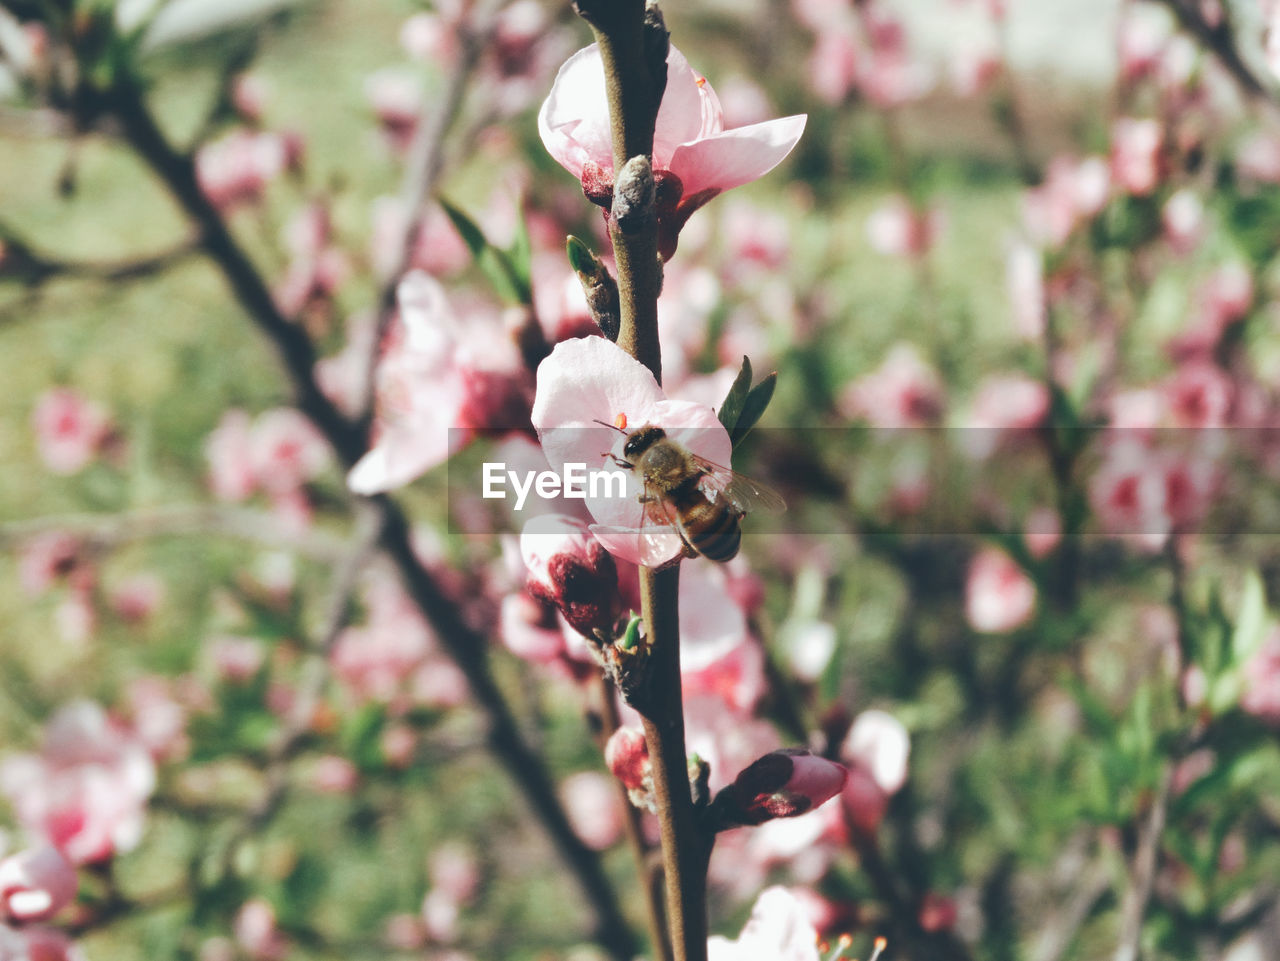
703,502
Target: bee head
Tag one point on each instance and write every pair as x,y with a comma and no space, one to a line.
641,439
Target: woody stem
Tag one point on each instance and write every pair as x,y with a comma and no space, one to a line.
635,86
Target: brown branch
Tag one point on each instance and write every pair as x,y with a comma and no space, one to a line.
633,47
21,262
107,531
1220,40
467,647
648,866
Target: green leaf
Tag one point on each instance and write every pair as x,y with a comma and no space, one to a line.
753,408
467,228
520,257
581,259
508,272
731,409
1251,620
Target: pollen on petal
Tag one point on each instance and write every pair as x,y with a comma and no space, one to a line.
620,421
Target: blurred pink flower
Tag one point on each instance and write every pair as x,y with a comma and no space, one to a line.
286,450
694,156
998,595
236,169
36,884
1146,493
778,930
937,912
1042,531
1258,157
1024,282
70,430
87,789
51,557
1199,394
35,943
438,249
1135,154
439,382
236,660
258,934
879,744
595,810
1183,220
228,451
396,96
1271,36
593,379
1261,672
904,391
1072,192
332,774
897,228
136,598
158,715
453,869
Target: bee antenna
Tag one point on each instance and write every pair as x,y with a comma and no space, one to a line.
610,426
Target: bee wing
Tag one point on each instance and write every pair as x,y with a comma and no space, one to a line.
742,492
648,546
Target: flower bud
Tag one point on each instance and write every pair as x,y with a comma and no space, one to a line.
783,783
36,884
568,567
627,756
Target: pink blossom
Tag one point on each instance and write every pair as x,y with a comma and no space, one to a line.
1199,395
1142,37
438,249
70,430
430,37
879,744
835,63
374,660
51,557
937,912
1148,493
342,376
249,95
86,791
1183,220
1258,157
999,596
530,629
440,917
897,228
236,169
333,774
158,714
904,391
35,943
863,800
1042,531
396,95
439,382
778,929
136,597
1224,297
258,934
725,739
36,884
228,450
1072,192
1261,672
808,645
399,745
1024,282
1005,403
692,151
592,379
236,659
286,450
454,870
594,808
1135,154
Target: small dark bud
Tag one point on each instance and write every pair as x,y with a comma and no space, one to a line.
781,784
598,286
633,195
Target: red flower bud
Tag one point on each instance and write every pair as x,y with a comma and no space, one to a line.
783,783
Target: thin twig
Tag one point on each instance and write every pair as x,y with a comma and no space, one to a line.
107,531
1219,39
423,168
1133,908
